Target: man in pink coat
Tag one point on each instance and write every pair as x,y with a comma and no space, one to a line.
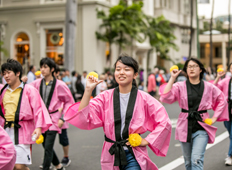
7,151
23,113
57,97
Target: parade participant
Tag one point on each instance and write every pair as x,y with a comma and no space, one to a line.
23,113
7,151
121,112
225,86
63,136
57,97
195,97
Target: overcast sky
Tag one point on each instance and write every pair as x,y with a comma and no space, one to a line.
220,8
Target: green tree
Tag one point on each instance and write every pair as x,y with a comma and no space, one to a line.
160,33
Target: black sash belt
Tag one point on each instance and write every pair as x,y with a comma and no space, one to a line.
191,116
229,100
54,111
8,124
118,150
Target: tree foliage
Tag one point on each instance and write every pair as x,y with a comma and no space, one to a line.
3,50
123,24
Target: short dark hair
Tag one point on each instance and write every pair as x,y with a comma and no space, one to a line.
198,63
129,61
49,62
84,71
12,65
31,67
73,73
57,69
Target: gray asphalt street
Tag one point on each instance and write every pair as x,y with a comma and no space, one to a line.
86,146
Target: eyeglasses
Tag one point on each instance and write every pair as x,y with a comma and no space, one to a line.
192,66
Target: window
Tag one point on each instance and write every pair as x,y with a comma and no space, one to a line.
218,52
186,7
22,50
54,45
185,35
202,52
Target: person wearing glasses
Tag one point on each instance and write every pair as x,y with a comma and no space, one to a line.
195,97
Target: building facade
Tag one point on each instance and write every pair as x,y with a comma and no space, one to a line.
33,29
220,42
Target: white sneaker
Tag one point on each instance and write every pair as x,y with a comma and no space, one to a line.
228,161
41,166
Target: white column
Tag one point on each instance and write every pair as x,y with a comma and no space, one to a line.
224,54
145,70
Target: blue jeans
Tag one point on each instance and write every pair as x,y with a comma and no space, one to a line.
132,163
194,152
228,125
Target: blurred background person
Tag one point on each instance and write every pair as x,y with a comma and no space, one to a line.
83,78
79,88
102,86
151,88
31,74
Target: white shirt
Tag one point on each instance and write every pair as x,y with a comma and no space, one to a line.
30,77
101,87
83,81
124,99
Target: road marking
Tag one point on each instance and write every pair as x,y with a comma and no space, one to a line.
179,161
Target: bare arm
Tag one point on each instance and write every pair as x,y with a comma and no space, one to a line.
219,75
174,75
91,83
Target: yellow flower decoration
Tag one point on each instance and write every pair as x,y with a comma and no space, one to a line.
135,139
220,70
92,74
40,140
208,121
174,67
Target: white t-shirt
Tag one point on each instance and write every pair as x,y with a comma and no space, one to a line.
124,99
83,81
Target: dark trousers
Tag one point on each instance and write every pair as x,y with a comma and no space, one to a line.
49,153
64,138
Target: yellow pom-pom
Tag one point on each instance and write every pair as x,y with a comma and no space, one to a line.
174,67
208,121
220,70
135,139
40,140
37,73
92,74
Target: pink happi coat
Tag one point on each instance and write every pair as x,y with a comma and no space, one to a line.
61,98
223,85
148,115
212,98
7,151
33,114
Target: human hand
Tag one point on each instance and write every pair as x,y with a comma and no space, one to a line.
37,131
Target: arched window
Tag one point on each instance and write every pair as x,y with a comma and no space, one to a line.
21,47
